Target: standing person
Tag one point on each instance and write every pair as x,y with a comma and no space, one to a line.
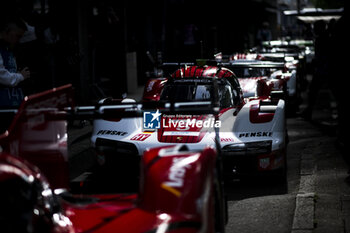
264,33
321,66
338,43
10,34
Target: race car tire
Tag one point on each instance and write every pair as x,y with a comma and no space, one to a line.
220,210
281,174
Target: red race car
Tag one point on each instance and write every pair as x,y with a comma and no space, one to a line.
180,190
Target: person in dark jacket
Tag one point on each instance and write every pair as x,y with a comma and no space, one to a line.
10,34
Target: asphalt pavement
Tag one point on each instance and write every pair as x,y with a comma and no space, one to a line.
316,197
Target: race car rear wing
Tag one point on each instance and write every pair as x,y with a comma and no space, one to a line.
58,104
136,109
237,63
253,64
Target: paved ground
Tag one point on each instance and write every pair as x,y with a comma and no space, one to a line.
317,196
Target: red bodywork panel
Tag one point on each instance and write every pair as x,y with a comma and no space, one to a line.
153,89
265,86
31,202
246,56
176,192
256,116
38,134
19,167
203,71
174,179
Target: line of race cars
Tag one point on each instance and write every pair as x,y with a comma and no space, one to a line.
194,130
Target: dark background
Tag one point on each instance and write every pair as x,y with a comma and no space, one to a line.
86,42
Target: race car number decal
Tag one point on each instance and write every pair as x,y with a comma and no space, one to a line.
140,137
226,139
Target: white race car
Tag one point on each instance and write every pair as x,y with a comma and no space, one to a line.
252,135
264,74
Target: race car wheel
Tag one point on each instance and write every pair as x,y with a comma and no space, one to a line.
281,174
221,212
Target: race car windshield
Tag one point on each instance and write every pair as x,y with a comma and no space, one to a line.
194,91
247,72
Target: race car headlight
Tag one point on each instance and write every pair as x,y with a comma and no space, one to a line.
308,51
259,147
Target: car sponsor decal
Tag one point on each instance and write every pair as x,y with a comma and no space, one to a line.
226,139
171,189
140,137
176,176
256,134
112,132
